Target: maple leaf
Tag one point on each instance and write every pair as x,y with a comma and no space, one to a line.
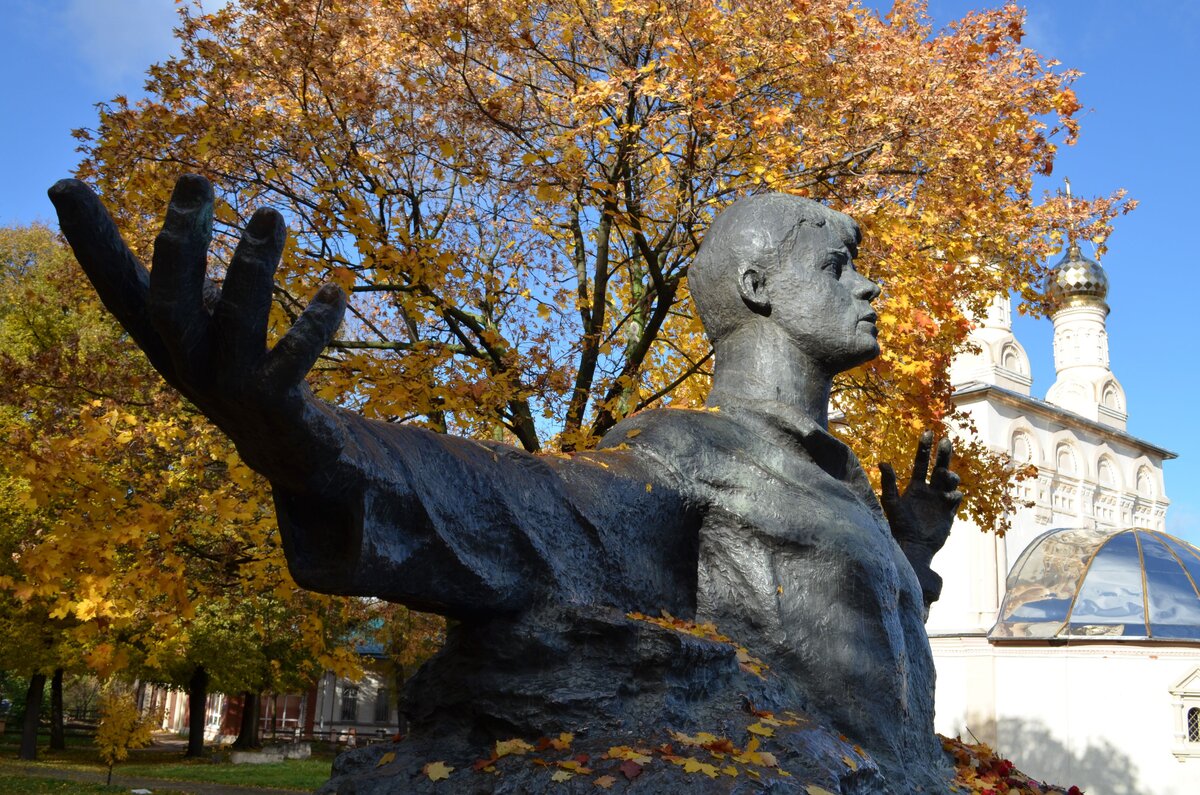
562,775
437,771
604,782
760,730
642,757
510,747
630,769
691,765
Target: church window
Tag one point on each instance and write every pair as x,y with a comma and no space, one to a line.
1011,360
1106,473
1110,398
1186,698
1022,450
1065,459
1145,482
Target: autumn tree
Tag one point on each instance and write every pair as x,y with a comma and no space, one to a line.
130,526
512,192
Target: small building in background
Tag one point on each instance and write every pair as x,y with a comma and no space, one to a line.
336,709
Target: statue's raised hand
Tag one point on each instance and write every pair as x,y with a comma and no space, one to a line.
210,344
921,517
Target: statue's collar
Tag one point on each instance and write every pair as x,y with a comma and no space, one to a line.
826,450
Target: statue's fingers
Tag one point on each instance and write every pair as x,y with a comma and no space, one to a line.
953,499
180,260
889,494
943,479
921,459
945,451
121,281
295,354
241,315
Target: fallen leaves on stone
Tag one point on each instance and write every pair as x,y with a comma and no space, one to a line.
437,771
983,772
746,661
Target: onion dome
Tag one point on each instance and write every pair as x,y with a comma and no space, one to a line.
1076,279
1103,585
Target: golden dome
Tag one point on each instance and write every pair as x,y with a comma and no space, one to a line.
1076,279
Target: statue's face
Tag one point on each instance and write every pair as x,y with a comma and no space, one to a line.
822,302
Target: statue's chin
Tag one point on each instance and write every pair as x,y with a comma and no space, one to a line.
868,350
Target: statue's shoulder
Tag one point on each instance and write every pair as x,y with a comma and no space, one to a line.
670,430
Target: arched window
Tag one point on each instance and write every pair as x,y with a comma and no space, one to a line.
1011,360
1065,459
1022,448
1106,473
1110,398
1145,482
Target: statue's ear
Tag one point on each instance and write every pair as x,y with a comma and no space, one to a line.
752,286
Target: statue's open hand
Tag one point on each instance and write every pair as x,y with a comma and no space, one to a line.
210,344
922,516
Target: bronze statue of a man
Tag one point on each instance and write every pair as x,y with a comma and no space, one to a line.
748,514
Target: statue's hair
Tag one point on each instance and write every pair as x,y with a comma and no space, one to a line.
760,231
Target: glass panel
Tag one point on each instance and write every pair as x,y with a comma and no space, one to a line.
1173,598
1187,554
1043,582
1111,594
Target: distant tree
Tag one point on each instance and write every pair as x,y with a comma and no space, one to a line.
103,555
122,727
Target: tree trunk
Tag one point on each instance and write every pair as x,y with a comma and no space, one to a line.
33,713
197,699
58,737
248,732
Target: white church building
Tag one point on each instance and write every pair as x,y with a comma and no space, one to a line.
1071,644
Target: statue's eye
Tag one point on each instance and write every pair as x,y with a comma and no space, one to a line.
834,264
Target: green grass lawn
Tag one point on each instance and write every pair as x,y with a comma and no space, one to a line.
14,782
300,774
16,785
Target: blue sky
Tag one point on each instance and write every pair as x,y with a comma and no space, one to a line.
1140,62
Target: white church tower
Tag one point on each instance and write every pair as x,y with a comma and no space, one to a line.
1084,384
1034,628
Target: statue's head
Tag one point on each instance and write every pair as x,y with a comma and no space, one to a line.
789,262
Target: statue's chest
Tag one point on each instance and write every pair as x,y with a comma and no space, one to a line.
782,537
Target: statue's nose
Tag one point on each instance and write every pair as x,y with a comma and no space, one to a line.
865,288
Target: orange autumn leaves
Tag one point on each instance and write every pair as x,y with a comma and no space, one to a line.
512,192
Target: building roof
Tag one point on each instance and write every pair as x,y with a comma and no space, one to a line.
1106,584
978,390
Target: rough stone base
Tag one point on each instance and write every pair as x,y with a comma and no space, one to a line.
574,700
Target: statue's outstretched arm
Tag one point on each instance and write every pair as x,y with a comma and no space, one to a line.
210,344
921,517
366,507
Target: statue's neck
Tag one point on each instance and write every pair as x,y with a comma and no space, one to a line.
758,362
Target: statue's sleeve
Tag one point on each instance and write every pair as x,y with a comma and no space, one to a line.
467,528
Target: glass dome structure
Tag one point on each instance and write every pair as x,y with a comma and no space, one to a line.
1108,584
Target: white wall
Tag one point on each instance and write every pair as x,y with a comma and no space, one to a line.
1099,716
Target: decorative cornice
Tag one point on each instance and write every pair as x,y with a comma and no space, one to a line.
975,391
